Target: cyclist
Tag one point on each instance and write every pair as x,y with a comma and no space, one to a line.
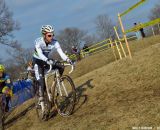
5,86
43,48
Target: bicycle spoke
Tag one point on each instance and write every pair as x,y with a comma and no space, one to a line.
64,88
65,102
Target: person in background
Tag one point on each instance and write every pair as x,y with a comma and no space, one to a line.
74,50
142,32
5,86
30,71
85,48
138,34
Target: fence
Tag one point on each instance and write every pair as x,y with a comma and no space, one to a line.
108,43
137,27
22,91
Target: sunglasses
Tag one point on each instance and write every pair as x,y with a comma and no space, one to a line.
49,35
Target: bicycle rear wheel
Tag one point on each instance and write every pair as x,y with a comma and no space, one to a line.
65,96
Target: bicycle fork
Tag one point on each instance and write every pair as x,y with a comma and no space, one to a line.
42,105
60,87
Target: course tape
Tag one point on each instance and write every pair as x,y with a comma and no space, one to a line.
137,27
93,49
101,48
98,43
131,8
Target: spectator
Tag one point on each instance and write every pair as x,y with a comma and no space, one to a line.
74,50
75,54
142,32
5,87
30,71
85,48
138,34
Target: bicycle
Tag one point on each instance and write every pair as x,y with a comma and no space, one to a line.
60,92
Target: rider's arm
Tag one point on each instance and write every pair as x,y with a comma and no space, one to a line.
61,53
39,52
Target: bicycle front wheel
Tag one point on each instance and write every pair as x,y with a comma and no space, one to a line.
65,96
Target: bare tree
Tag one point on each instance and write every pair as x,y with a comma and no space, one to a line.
104,26
21,56
7,25
155,12
90,39
71,37
12,69
154,15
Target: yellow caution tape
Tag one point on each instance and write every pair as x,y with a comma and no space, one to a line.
127,38
131,8
93,46
99,51
72,56
137,27
101,48
98,47
98,43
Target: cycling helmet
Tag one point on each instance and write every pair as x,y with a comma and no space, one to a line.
47,29
2,68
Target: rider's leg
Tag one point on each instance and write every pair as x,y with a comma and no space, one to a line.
39,71
7,91
8,98
39,76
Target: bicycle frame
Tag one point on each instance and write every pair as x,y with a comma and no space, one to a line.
54,87
56,81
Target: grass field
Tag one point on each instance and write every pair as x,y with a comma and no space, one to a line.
112,95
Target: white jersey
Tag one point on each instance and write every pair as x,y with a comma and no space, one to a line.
42,50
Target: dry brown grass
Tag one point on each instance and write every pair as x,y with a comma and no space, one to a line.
115,96
103,58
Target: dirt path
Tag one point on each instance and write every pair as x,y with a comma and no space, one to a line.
118,96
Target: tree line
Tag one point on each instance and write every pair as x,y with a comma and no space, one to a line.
67,37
